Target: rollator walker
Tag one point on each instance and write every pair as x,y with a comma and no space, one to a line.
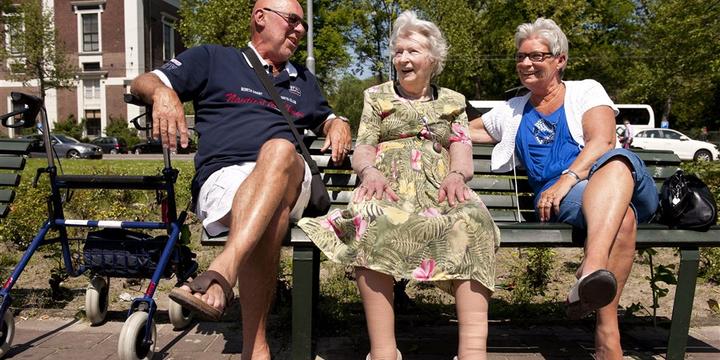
113,251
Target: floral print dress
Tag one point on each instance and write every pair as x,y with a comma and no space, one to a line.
415,237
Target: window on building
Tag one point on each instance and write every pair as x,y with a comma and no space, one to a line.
92,122
90,32
92,89
168,38
14,28
91,66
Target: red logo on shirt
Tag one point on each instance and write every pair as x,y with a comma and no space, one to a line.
236,99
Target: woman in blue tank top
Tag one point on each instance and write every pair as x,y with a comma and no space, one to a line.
563,133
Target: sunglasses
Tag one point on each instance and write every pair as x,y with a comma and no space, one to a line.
535,56
292,19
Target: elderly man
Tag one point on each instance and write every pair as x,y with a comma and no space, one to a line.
249,178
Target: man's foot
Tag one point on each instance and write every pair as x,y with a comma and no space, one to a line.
590,293
207,294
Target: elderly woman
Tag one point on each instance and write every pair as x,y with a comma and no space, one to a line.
563,132
412,216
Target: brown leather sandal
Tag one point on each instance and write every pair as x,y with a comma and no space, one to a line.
201,284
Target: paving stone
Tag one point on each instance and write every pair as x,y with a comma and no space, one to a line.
111,342
74,340
29,352
185,343
31,337
75,354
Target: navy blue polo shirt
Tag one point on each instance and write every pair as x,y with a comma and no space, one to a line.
234,114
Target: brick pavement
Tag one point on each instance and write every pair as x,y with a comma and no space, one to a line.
60,339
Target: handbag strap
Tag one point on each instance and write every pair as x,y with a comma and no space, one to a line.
280,104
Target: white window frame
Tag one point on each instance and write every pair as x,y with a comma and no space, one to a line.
8,37
97,7
95,92
168,21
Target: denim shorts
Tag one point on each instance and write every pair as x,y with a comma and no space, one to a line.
644,201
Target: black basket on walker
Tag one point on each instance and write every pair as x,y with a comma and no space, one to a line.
128,254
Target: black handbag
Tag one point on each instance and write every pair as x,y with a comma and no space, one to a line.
319,202
686,203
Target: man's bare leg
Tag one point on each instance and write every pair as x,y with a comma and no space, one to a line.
274,184
257,277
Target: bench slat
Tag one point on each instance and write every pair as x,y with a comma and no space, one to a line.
562,235
14,146
12,163
7,179
7,196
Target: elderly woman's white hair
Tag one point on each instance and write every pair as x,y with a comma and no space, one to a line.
548,31
408,23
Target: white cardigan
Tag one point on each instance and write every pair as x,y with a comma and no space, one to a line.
503,121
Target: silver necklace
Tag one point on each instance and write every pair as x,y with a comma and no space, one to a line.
426,124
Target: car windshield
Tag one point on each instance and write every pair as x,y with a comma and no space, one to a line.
66,139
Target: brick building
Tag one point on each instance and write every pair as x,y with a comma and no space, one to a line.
111,42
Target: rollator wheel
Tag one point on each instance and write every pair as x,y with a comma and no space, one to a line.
180,317
130,344
96,300
7,333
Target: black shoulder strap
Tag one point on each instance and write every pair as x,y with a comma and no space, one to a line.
280,104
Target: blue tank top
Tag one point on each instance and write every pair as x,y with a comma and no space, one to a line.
545,146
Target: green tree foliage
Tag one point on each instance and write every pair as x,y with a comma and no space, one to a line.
34,53
331,22
223,22
458,20
347,100
70,127
480,62
676,67
370,33
227,22
118,127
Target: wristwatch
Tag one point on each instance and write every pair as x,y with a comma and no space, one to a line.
342,118
571,173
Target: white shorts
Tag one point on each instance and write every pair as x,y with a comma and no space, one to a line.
217,194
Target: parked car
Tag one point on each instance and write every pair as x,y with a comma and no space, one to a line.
152,146
111,144
65,146
679,143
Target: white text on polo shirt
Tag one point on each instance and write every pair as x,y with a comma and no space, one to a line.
253,91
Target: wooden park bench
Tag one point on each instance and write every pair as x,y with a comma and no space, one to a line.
12,163
519,229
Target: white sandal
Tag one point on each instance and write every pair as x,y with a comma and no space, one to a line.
399,355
